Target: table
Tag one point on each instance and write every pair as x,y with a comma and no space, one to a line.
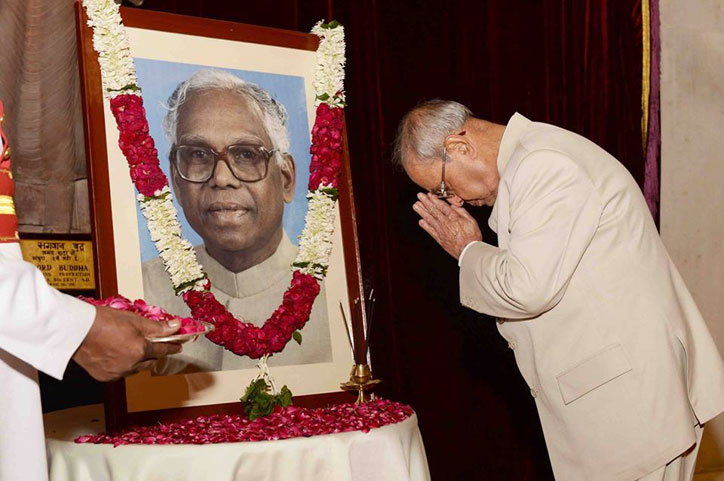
390,453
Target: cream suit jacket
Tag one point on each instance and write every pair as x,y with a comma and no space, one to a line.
605,333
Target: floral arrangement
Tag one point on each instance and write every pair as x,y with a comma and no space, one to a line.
283,423
154,313
154,195
258,401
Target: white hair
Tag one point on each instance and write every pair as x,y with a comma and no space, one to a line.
273,113
423,129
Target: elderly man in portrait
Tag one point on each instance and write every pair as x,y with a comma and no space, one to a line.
232,174
622,367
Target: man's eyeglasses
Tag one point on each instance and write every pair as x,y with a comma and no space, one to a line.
248,163
443,192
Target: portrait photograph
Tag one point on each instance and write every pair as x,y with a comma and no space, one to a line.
244,223
231,122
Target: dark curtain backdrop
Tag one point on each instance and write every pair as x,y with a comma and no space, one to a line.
572,63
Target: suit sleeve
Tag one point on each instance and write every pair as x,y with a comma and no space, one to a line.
38,324
554,213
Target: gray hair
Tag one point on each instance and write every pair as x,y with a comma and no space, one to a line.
273,113
423,129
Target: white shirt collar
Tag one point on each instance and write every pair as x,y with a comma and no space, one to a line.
517,125
255,279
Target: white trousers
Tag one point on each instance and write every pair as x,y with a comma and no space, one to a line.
681,468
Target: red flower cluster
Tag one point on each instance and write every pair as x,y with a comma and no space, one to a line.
284,423
153,313
244,338
137,145
326,149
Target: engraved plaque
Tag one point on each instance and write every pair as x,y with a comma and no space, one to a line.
66,264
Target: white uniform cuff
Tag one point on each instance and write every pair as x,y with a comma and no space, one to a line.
462,254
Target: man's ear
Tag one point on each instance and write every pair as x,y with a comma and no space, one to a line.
288,170
174,184
459,145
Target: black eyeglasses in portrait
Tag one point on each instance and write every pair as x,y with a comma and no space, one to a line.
197,163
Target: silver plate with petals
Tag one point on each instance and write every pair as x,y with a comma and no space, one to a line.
183,338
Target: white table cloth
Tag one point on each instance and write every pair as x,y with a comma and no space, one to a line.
391,453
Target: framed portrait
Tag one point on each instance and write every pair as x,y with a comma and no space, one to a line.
245,234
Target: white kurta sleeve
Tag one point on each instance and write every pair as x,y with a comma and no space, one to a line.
554,213
38,324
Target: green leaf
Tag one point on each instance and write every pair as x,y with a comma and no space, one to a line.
191,283
259,402
285,397
265,402
254,389
147,198
331,192
130,86
297,337
324,97
332,24
320,268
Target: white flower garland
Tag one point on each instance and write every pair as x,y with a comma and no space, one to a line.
315,243
329,74
177,253
111,42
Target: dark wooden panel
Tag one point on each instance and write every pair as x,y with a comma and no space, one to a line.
204,27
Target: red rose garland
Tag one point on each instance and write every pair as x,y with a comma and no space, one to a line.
137,145
240,337
326,147
244,337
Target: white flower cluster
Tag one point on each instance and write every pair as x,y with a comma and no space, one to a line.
177,253
111,43
329,75
315,243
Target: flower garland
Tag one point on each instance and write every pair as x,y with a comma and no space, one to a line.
284,423
154,195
